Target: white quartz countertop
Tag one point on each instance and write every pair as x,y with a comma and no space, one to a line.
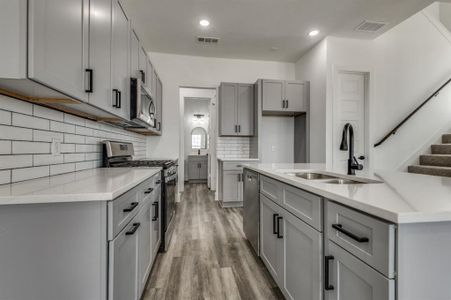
239,159
91,185
401,198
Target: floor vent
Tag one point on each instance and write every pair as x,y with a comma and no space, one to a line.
370,26
207,40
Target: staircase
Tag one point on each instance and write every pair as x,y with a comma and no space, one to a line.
438,163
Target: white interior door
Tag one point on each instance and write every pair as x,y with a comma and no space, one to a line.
349,107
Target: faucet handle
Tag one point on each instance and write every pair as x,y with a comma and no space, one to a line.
361,157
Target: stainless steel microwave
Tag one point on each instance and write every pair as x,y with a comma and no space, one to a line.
143,109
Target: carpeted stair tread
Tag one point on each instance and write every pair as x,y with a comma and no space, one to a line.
443,160
441,149
430,170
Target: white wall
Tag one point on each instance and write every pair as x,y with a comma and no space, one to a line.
406,64
312,67
277,139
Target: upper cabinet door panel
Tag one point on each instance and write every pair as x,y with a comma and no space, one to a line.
134,55
150,74
143,66
100,53
120,58
273,95
159,102
295,96
245,109
227,109
58,32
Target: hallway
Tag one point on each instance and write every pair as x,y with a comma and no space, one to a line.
209,258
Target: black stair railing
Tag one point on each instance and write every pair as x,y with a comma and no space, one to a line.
395,129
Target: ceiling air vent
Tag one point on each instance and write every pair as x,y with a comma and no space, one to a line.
207,40
370,26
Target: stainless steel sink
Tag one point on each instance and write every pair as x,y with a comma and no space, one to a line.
342,181
314,176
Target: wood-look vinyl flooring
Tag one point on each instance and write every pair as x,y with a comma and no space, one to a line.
209,257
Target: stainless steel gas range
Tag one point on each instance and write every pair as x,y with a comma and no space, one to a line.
120,154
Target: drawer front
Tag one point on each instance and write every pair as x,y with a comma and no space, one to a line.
304,205
271,188
124,208
371,240
348,278
232,166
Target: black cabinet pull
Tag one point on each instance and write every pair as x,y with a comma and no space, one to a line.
279,236
155,211
90,89
143,76
274,225
288,103
116,98
327,285
239,128
148,191
159,126
132,206
120,99
339,227
133,230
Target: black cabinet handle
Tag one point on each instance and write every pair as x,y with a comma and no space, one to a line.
90,89
339,227
148,191
133,230
327,285
274,225
143,76
116,98
239,128
155,211
279,236
159,126
132,206
288,103
120,99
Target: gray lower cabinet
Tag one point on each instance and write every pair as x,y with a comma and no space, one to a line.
156,221
236,109
292,252
348,278
123,262
145,249
198,168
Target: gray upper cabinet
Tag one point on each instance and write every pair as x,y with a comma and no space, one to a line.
159,102
236,109
134,55
284,97
351,279
120,62
100,55
57,43
142,61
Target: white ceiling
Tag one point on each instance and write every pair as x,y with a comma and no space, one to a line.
248,29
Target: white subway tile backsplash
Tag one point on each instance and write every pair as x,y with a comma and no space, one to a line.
72,138
67,148
44,112
15,133
5,117
20,147
233,147
62,127
74,157
10,104
68,118
21,120
62,168
5,147
26,133
5,176
46,136
29,173
84,165
15,161
47,159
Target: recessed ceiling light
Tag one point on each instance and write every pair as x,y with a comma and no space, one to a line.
204,23
313,33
